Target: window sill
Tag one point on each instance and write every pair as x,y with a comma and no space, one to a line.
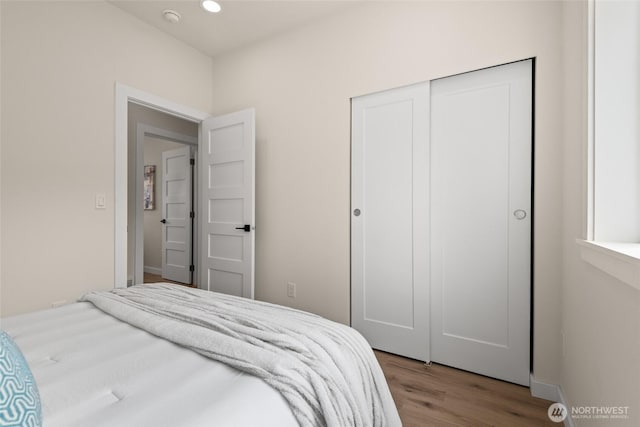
620,260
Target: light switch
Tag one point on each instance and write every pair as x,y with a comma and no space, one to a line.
101,201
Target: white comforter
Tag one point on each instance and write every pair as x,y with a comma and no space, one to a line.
93,370
326,371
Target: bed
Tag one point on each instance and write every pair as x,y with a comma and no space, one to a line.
165,355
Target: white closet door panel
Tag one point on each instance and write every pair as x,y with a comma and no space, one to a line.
473,181
481,221
389,236
387,220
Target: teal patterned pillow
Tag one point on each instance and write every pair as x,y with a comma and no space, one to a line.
19,398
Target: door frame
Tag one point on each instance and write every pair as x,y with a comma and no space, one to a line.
142,131
123,95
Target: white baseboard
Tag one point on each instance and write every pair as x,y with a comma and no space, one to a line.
568,422
552,393
153,270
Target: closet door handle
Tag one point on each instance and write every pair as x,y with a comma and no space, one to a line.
520,214
164,221
246,228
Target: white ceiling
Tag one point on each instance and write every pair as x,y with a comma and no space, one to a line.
240,23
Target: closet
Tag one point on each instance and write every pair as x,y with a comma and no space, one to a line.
441,220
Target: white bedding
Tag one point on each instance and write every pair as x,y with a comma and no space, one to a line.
326,371
94,370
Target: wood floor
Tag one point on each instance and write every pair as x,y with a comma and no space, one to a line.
154,278
437,395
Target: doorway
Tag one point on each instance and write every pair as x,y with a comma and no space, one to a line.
225,216
166,188
151,132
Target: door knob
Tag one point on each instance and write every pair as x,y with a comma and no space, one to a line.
164,221
246,228
520,213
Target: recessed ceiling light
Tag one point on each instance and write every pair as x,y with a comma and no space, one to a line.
211,6
171,16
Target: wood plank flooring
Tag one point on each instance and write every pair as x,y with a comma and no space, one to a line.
438,395
154,278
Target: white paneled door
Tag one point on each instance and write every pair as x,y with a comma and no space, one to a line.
176,209
389,220
227,165
480,246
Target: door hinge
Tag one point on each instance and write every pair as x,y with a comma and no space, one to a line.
192,161
192,214
192,268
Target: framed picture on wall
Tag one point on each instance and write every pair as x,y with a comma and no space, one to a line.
149,185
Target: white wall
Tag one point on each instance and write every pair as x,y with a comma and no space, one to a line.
301,84
600,315
60,62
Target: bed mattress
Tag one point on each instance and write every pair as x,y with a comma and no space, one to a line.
94,370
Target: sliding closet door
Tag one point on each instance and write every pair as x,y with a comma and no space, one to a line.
389,219
481,221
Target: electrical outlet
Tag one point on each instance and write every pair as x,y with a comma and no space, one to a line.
291,290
